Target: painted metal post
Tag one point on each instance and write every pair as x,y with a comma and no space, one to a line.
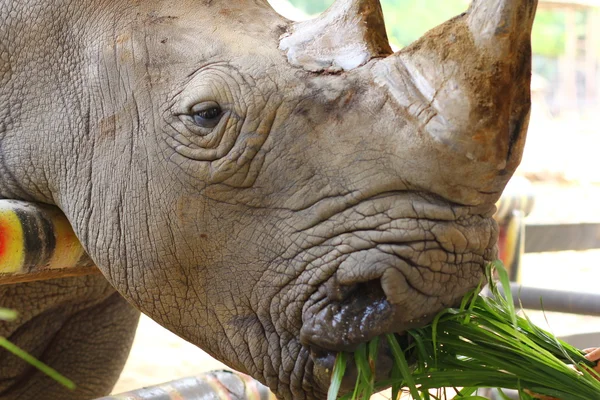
515,204
221,385
37,243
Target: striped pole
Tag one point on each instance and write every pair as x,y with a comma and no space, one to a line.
216,385
38,243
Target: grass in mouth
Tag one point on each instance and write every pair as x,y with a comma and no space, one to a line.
9,315
481,344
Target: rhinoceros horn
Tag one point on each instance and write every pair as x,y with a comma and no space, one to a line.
346,36
501,27
468,82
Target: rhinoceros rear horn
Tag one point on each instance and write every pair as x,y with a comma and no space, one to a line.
501,26
346,36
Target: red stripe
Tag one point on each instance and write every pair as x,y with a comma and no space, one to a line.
3,239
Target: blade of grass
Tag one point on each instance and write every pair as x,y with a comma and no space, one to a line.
464,392
36,363
403,366
373,351
365,379
473,302
503,395
505,281
8,314
397,382
339,368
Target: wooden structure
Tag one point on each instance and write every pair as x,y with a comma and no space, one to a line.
578,67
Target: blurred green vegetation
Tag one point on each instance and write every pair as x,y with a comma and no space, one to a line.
11,315
407,20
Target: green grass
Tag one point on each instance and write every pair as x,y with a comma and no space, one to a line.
10,315
483,343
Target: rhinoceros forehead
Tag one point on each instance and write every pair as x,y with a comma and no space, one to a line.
199,31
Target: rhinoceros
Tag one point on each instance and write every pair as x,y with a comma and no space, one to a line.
273,192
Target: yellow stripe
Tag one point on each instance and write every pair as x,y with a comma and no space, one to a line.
12,251
252,391
68,250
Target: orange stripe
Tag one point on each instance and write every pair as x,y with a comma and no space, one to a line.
511,240
218,387
173,393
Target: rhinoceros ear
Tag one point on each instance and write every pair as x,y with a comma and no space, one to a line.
346,36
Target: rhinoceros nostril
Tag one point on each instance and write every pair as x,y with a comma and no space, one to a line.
370,292
337,292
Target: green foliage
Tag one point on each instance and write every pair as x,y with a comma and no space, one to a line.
407,20
549,33
312,6
483,343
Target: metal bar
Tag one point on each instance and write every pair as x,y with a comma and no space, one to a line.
38,243
556,300
562,237
221,385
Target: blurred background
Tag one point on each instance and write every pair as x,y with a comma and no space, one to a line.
561,163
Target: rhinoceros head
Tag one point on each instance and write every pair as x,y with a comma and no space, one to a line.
275,192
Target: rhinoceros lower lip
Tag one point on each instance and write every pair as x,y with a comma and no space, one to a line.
324,362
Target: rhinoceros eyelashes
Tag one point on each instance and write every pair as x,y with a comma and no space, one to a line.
207,114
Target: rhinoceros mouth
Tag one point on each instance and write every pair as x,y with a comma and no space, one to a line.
342,326
330,327
341,322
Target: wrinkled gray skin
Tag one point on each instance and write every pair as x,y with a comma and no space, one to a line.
320,211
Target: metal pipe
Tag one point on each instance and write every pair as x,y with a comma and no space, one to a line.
222,385
551,300
38,243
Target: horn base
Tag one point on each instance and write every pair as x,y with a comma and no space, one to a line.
343,38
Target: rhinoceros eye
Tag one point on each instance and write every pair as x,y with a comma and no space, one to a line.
206,115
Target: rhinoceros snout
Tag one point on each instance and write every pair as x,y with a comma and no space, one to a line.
403,263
